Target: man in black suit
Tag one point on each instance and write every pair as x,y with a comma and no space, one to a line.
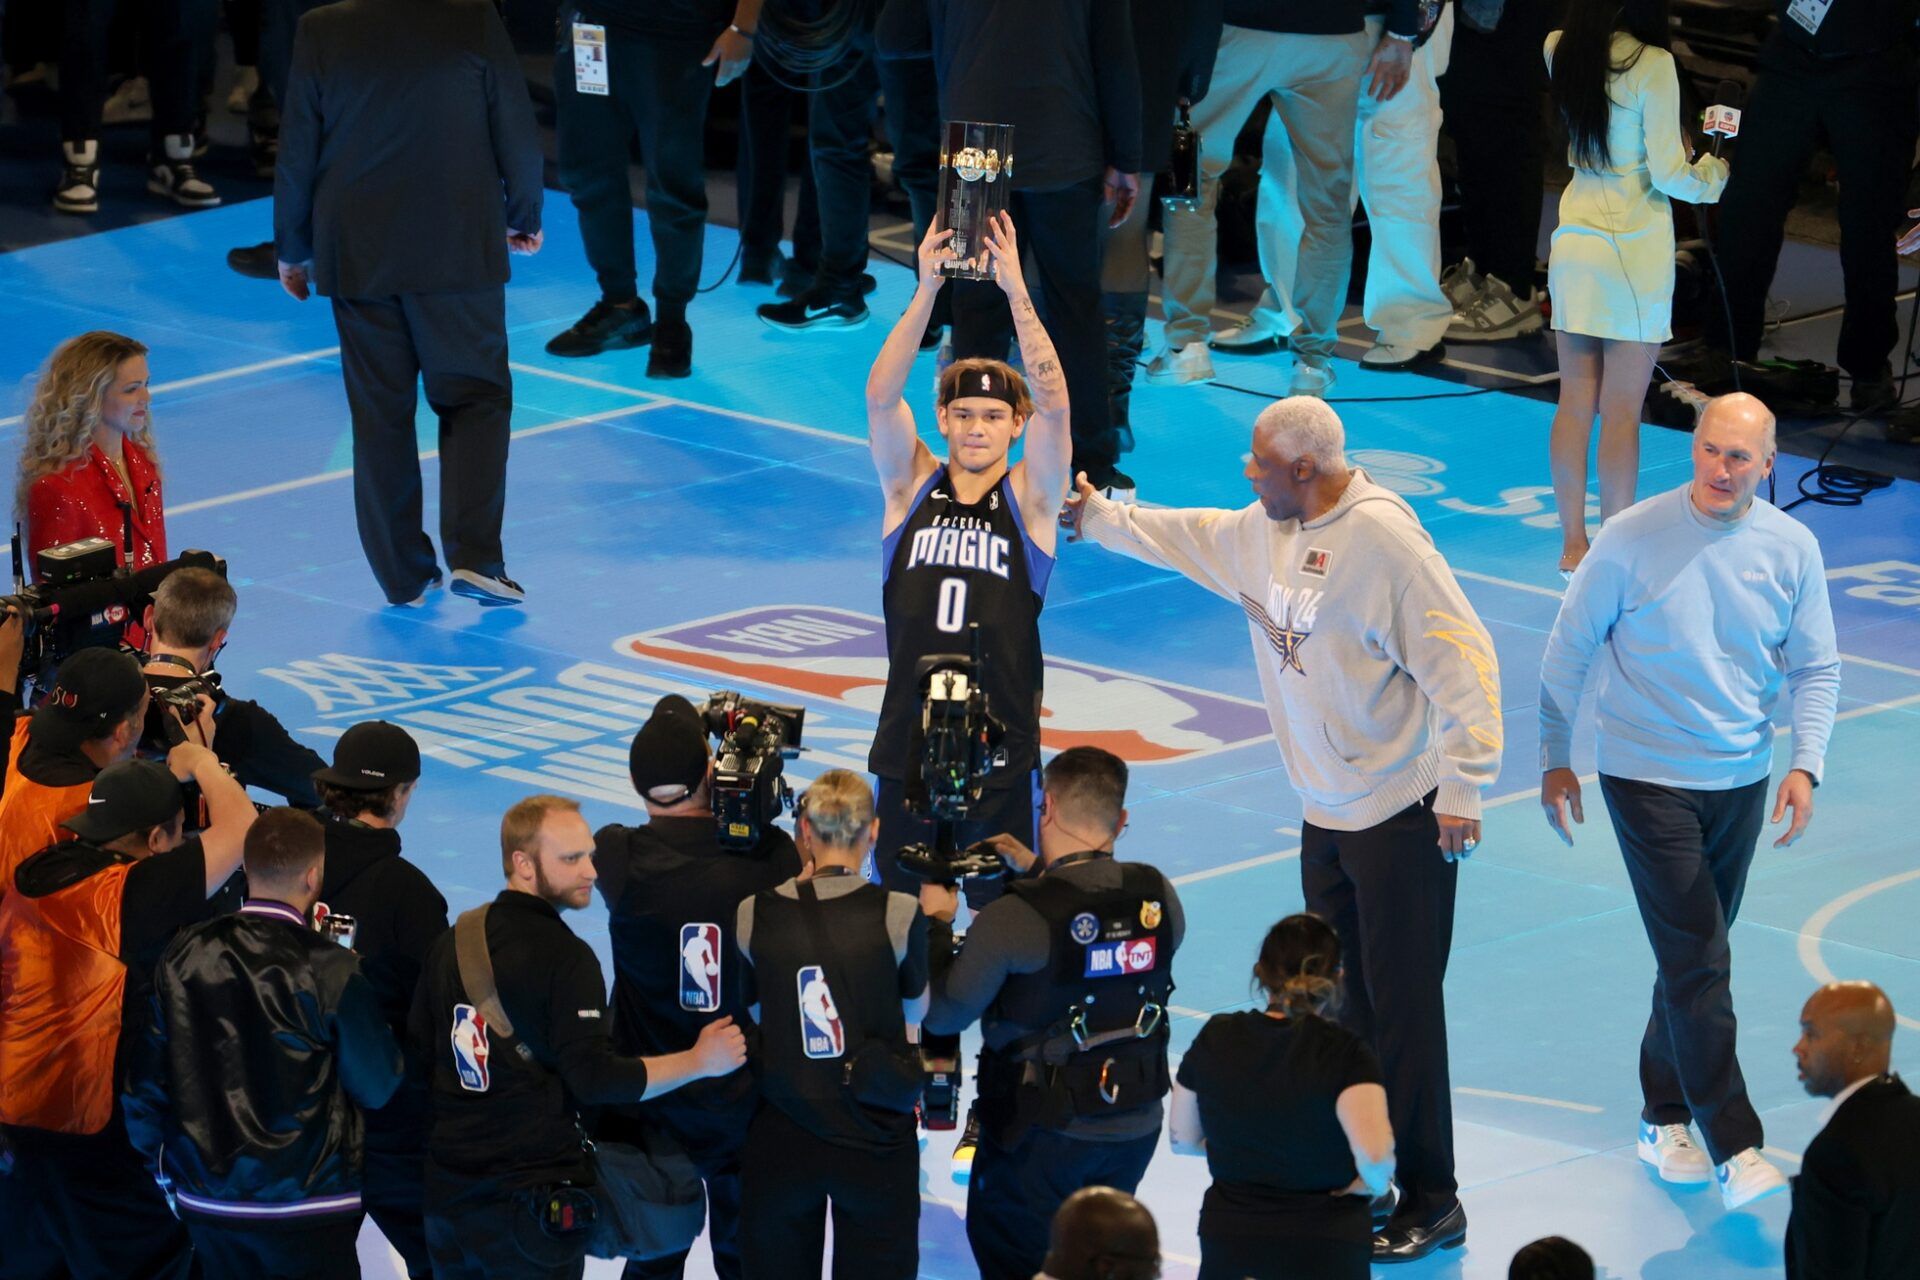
1856,1203
409,167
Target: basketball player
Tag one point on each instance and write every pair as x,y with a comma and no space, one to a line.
968,539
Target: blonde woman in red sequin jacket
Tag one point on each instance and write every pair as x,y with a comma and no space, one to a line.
88,461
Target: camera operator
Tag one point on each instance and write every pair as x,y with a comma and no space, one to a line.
837,976
505,1143
1068,974
264,1153
187,623
393,914
671,891
92,718
80,935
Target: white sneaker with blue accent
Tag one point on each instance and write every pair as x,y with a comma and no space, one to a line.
1671,1150
1748,1177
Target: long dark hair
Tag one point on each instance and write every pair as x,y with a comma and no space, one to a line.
1583,61
1299,966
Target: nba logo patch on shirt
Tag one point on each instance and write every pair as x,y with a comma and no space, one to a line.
821,1033
1318,560
1085,928
470,1051
700,967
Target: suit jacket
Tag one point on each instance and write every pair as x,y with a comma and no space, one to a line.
407,148
1856,1203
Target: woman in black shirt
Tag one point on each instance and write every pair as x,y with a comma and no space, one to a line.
1288,1109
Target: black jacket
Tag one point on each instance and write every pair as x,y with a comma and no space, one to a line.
1856,1202
256,747
263,1044
407,148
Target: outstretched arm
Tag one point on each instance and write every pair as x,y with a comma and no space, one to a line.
902,460
1047,463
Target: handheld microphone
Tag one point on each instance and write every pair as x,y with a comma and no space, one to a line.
1722,120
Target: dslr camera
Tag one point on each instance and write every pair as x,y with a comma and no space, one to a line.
955,747
756,739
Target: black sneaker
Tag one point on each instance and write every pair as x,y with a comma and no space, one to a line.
811,311
255,261
605,327
672,354
171,174
79,189
1871,395
490,589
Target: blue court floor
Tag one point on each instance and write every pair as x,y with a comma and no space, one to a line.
724,532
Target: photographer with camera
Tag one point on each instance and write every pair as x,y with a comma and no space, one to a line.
671,889
1068,974
80,933
187,626
837,977
375,901
511,1018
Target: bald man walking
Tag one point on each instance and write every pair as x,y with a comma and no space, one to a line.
1384,695
1856,1203
1700,606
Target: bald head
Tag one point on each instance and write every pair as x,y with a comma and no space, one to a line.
1740,412
1103,1234
1732,454
1846,1034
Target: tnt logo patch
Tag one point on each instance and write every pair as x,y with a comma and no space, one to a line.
1122,957
822,1035
700,967
470,1049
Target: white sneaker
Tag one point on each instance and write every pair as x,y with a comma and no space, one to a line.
1249,337
1389,357
1460,282
1177,366
1748,1177
1496,313
1670,1149
172,175
1310,378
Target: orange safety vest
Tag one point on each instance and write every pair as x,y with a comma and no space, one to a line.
61,989
31,813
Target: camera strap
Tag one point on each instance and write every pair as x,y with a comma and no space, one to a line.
476,975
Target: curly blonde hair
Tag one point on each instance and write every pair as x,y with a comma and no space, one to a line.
68,399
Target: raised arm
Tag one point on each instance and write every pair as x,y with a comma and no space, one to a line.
1669,164
1046,466
902,461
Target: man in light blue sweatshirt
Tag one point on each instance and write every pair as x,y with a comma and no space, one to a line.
1698,605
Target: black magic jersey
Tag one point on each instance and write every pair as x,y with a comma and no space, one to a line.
947,565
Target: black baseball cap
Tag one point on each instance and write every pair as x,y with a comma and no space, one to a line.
670,750
372,756
133,795
93,691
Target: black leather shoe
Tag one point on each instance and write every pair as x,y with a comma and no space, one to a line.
672,354
255,261
605,327
1410,1244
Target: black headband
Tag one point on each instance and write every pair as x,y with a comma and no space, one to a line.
990,381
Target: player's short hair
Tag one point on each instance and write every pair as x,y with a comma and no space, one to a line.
520,828
1088,785
1305,427
281,844
352,802
191,605
839,807
951,376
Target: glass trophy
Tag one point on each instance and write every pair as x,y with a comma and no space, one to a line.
976,170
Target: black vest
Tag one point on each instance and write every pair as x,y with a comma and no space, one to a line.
828,982
1095,1015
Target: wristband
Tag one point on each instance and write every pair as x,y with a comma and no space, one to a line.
1395,35
744,35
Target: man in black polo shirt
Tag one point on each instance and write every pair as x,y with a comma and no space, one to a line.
79,937
397,915
504,1129
671,892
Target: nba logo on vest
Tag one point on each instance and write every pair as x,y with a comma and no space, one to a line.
470,1050
700,967
821,1032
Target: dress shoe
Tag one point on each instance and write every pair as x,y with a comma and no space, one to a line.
255,261
672,354
607,326
1410,1244
1392,357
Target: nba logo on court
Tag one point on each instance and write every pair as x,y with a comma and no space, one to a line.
470,1050
700,967
821,1032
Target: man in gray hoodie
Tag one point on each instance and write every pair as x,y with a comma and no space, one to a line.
1384,693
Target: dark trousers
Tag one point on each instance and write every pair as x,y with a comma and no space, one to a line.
1389,895
86,1207
1278,1257
840,131
324,1250
1863,111
713,1137
788,1179
1491,96
1010,811
766,113
483,1234
1061,234
278,18
456,343
1687,854
1013,1194
175,35
658,94
395,1198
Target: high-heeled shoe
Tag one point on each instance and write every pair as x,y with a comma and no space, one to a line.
1569,561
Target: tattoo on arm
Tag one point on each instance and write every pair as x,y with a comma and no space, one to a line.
1026,307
